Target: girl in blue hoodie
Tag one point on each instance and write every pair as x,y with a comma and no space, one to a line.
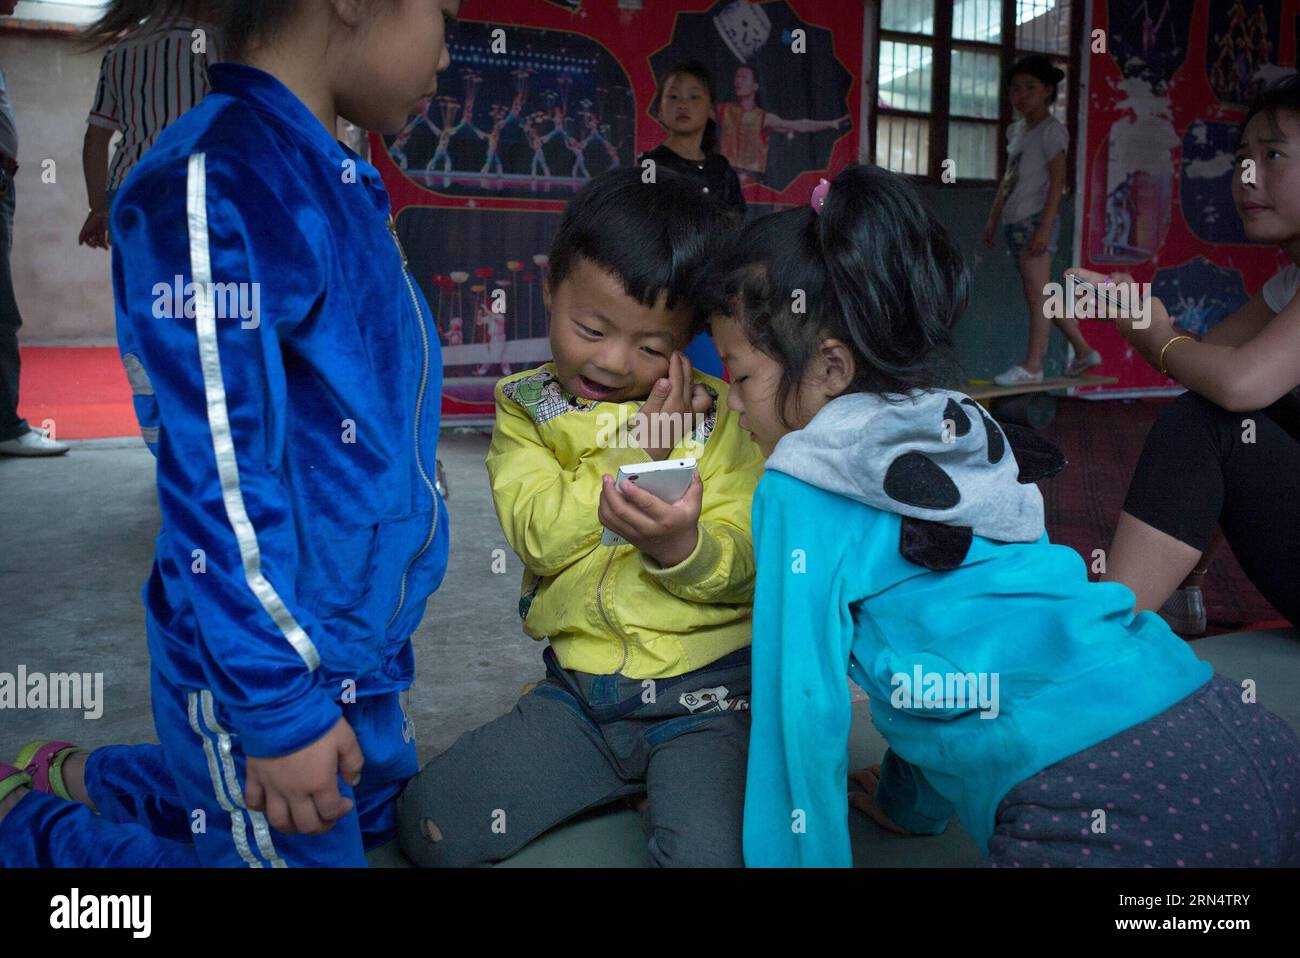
899,540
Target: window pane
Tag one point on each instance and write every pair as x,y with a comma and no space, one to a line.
909,16
977,20
974,84
1043,26
903,144
904,82
63,11
974,149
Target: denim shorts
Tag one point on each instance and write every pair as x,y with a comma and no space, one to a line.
1020,233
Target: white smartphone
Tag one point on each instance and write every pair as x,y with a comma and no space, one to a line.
668,480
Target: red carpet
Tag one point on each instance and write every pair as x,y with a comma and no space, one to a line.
81,389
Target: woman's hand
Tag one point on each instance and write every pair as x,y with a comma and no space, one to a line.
1148,338
990,233
865,800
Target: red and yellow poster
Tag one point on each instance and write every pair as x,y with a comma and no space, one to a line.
1165,104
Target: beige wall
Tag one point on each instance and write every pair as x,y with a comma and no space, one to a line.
64,290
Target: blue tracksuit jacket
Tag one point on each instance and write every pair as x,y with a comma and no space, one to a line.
260,285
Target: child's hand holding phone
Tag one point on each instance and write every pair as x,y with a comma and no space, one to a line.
665,531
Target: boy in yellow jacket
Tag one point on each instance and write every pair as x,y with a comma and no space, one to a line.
647,685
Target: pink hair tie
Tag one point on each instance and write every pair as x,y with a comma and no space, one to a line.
819,195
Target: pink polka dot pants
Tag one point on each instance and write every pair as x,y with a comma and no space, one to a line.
1211,782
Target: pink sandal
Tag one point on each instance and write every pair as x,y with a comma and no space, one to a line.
43,763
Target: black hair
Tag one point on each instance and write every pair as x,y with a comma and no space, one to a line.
655,237
875,269
696,69
245,23
1284,94
1041,69
120,16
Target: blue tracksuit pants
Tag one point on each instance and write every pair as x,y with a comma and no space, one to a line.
181,803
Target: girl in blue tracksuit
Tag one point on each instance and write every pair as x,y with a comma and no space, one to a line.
899,539
297,375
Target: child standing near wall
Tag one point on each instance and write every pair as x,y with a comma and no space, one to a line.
302,532
156,70
1027,204
685,103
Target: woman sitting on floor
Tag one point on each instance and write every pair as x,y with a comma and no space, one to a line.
1227,452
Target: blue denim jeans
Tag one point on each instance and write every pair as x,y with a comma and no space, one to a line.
1022,231
577,741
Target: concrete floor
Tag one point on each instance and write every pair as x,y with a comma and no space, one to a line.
76,544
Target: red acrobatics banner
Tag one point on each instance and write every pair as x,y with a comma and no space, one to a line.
542,95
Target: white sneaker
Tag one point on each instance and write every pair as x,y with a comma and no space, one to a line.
1017,376
1080,366
34,443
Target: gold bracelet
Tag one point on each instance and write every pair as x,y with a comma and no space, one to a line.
1163,370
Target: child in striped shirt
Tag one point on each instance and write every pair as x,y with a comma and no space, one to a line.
151,75
155,71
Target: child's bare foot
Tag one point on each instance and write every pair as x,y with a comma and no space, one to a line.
74,777
868,779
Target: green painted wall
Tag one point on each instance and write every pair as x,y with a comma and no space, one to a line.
992,332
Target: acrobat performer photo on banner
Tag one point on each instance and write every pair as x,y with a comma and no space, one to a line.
783,94
544,115
541,97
